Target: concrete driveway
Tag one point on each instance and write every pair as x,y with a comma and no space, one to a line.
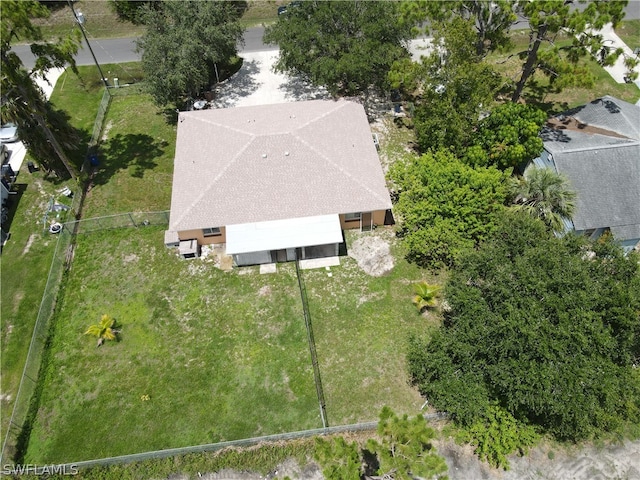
257,84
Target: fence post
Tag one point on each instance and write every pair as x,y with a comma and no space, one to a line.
132,220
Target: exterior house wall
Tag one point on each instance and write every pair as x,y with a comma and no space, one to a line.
202,240
377,219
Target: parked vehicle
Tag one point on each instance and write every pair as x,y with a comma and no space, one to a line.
8,133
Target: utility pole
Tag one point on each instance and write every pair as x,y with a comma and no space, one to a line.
81,20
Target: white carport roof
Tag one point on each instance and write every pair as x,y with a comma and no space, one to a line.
280,234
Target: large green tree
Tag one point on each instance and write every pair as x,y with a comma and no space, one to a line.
491,20
345,46
43,129
508,137
546,328
186,41
444,205
562,61
452,87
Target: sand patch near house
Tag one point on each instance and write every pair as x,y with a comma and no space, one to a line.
373,254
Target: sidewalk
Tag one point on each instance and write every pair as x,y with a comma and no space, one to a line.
612,40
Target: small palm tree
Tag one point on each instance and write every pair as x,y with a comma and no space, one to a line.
425,295
105,330
546,195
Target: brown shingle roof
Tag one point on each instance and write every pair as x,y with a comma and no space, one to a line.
271,162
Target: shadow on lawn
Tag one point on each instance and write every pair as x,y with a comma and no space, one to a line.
121,152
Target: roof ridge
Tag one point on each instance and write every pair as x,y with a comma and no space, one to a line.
631,143
342,170
215,180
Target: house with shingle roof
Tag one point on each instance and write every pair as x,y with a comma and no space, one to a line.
597,147
275,182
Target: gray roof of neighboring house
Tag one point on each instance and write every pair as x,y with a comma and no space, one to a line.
597,147
272,162
610,113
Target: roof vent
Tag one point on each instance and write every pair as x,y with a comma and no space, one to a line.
264,155
286,154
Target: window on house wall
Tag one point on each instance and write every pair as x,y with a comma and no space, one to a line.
352,217
211,232
590,232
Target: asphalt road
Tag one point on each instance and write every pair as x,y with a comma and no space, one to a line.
121,50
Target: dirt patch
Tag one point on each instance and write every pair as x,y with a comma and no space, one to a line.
618,461
373,254
264,291
131,258
543,463
27,247
107,128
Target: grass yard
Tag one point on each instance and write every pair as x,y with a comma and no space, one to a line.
26,258
220,355
629,32
361,326
136,159
24,267
101,21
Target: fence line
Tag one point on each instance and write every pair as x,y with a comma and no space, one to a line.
120,220
312,344
212,447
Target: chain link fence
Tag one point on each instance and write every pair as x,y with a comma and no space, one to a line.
26,400
312,344
123,220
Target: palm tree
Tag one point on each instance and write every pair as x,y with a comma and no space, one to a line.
104,330
425,295
546,195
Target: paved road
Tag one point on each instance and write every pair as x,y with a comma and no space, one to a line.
120,50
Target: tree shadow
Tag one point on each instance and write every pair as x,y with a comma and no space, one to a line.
241,85
298,89
122,152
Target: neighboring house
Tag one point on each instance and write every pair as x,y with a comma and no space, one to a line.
275,182
597,147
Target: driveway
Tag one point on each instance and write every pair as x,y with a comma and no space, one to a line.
257,84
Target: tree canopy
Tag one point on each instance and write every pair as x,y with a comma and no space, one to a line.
444,205
561,61
345,46
452,88
491,20
184,43
546,328
508,137
43,129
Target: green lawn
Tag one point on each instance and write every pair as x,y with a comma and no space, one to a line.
221,355
629,32
26,258
24,267
361,326
136,159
